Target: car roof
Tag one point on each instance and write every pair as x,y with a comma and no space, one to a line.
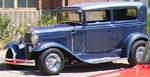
96,5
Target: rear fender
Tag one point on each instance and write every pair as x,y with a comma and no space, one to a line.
129,41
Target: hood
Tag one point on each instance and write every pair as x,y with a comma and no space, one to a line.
55,33
55,28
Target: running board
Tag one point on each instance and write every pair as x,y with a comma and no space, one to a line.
102,60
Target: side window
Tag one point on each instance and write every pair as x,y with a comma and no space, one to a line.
1,1
125,14
97,16
9,3
18,4
27,3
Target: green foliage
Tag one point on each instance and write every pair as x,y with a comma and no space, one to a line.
4,26
148,23
21,29
8,32
45,20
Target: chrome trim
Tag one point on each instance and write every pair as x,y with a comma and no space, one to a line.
72,42
102,60
30,49
29,28
139,53
14,53
28,43
34,39
53,62
25,62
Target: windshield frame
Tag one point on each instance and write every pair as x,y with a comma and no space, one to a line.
80,22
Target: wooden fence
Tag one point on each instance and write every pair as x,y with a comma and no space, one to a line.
19,17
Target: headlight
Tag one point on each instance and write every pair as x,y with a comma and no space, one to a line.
31,36
18,38
29,28
34,39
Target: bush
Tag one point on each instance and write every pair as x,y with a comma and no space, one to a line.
6,30
148,23
21,30
4,26
45,20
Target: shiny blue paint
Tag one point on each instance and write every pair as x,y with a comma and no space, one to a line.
79,39
98,5
59,33
130,40
46,45
53,28
9,45
123,31
102,33
17,53
96,40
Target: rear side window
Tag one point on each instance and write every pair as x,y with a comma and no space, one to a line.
125,14
97,16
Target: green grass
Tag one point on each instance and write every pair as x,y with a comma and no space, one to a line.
148,23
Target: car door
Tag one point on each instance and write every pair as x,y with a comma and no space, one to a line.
98,31
125,23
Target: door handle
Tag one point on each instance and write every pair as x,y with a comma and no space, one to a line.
73,31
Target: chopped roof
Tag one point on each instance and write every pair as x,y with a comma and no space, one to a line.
94,5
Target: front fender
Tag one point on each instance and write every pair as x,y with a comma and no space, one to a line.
14,45
13,48
9,45
129,41
16,49
46,45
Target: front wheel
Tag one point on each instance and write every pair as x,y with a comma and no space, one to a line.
136,52
51,61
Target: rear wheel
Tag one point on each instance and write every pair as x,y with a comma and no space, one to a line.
51,61
136,52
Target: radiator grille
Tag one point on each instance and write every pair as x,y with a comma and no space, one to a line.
28,44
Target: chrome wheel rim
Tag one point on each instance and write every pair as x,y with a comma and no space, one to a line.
139,53
53,62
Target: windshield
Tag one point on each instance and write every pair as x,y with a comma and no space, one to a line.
66,17
146,55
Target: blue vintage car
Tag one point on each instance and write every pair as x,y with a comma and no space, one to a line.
91,33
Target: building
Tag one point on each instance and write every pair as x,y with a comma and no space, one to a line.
39,4
22,11
147,2
28,11
47,5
